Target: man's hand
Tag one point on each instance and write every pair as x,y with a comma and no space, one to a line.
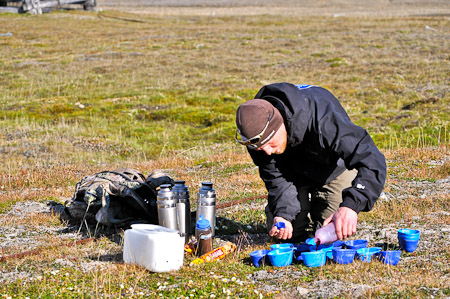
345,220
283,233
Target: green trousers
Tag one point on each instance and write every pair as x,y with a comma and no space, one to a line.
317,204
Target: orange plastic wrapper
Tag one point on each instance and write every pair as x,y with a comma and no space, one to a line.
216,254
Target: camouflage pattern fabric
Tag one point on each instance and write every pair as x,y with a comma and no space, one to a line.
116,197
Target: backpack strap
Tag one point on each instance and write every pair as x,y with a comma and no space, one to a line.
133,174
157,178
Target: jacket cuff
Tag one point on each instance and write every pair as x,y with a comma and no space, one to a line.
286,216
351,205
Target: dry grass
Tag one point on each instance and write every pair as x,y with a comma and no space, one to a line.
351,8
85,92
95,269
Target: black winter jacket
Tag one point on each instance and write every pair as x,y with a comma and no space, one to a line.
321,143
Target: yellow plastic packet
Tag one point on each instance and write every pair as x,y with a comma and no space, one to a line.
216,254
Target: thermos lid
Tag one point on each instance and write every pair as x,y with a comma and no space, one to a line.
203,223
180,188
207,185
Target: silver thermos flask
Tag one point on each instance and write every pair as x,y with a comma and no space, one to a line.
206,204
181,193
167,207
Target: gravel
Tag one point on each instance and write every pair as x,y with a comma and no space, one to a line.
433,237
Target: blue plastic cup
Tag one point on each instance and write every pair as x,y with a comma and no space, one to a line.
310,241
282,246
408,245
356,244
302,247
343,256
409,233
314,258
259,257
281,257
299,248
408,239
339,243
325,248
329,253
391,257
365,254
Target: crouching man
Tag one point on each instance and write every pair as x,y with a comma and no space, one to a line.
316,164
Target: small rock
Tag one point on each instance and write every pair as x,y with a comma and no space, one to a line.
64,263
384,196
443,181
302,291
360,290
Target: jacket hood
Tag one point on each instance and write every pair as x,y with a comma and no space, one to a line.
292,104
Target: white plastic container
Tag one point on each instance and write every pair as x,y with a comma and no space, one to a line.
157,248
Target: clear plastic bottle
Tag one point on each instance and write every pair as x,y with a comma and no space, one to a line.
326,234
203,235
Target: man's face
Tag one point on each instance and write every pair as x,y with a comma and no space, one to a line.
276,145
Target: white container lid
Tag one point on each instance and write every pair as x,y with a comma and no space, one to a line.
152,228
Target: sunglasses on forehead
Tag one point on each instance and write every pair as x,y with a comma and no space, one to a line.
251,141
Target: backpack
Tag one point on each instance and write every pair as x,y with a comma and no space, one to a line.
118,198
